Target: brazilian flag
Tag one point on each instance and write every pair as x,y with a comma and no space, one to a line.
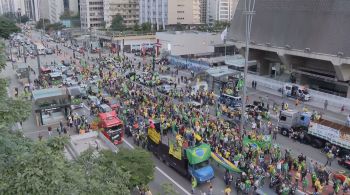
240,84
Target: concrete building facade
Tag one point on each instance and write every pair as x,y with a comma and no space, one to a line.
155,12
188,42
91,14
44,11
161,13
32,9
12,6
220,10
56,9
128,9
184,12
305,39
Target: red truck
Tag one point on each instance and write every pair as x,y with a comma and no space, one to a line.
113,127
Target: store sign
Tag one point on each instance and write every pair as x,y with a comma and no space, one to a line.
154,135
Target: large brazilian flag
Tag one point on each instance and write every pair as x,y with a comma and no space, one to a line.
198,154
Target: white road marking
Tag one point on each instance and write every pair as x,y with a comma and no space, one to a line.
131,146
86,107
163,173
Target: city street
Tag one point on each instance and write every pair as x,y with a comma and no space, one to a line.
163,173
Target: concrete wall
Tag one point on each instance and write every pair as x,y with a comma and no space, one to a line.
185,43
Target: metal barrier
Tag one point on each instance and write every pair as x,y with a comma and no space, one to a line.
184,63
316,96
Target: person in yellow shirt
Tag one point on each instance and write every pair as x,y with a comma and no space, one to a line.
297,178
227,190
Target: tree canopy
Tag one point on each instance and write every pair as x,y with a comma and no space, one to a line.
138,163
42,23
7,27
118,23
23,19
40,167
146,27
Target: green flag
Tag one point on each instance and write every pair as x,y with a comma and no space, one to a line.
240,83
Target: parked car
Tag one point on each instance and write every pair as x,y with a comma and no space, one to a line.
93,90
164,89
65,63
93,100
112,102
104,108
49,51
69,81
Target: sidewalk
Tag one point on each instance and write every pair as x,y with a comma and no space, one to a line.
331,114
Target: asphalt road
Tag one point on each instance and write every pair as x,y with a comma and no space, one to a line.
163,173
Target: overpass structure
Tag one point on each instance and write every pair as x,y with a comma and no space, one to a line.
308,39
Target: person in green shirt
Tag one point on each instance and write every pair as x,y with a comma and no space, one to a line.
194,184
305,184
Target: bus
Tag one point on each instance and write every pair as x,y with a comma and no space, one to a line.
41,48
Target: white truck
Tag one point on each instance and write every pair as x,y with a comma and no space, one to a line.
316,132
296,91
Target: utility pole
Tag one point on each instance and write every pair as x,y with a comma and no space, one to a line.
248,12
154,58
24,54
38,58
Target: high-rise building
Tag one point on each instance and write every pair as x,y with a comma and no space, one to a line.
32,9
184,12
91,14
128,9
44,9
170,12
56,9
12,6
203,10
154,12
220,10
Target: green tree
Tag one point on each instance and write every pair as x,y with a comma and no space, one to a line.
118,23
220,25
179,27
23,19
136,27
2,57
137,162
55,26
42,23
101,177
146,27
36,169
7,27
12,110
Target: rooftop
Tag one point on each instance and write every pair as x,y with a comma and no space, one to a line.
50,92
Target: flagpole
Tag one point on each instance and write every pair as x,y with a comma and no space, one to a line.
225,48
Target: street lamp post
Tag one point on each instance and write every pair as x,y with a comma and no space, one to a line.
38,58
248,12
19,14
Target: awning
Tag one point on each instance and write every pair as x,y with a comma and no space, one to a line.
238,61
